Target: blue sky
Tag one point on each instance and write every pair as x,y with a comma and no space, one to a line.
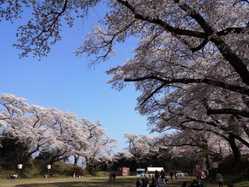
67,82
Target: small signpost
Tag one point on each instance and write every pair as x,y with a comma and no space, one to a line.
49,167
20,167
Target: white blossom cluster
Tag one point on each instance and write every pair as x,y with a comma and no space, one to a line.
51,130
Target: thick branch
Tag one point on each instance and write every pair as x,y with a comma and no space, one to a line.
236,62
216,83
233,59
225,50
240,139
162,23
210,123
181,145
199,47
232,111
234,30
36,121
196,16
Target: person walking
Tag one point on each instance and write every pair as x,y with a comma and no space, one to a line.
194,183
114,176
184,184
171,175
162,174
161,181
219,179
153,182
139,182
156,175
145,182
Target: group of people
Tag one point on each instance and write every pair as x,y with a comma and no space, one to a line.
194,183
200,183
157,180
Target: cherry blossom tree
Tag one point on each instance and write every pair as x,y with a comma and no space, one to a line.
100,146
179,42
49,133
139,146
18,121
147,150
185,109
190,64
202,146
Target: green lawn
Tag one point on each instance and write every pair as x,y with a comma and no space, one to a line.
124,182
243,184
87,182
63,182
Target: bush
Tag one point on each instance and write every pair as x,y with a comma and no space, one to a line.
36,168
102,173
229,166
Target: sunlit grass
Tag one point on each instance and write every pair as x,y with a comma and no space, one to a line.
92,181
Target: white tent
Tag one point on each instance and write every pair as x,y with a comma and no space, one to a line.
153,169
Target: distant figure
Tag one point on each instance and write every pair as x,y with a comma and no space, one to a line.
13,176
162,174
175,175
114,176
145,182
171,175
200,183
110,177
184,184
194,183
219,179
139,182
161,181
203,175
153,182
156,175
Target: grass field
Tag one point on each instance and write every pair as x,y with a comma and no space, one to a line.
88,182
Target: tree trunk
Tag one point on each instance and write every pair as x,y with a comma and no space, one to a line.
76,160
234,147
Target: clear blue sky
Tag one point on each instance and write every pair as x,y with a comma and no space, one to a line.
67,82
